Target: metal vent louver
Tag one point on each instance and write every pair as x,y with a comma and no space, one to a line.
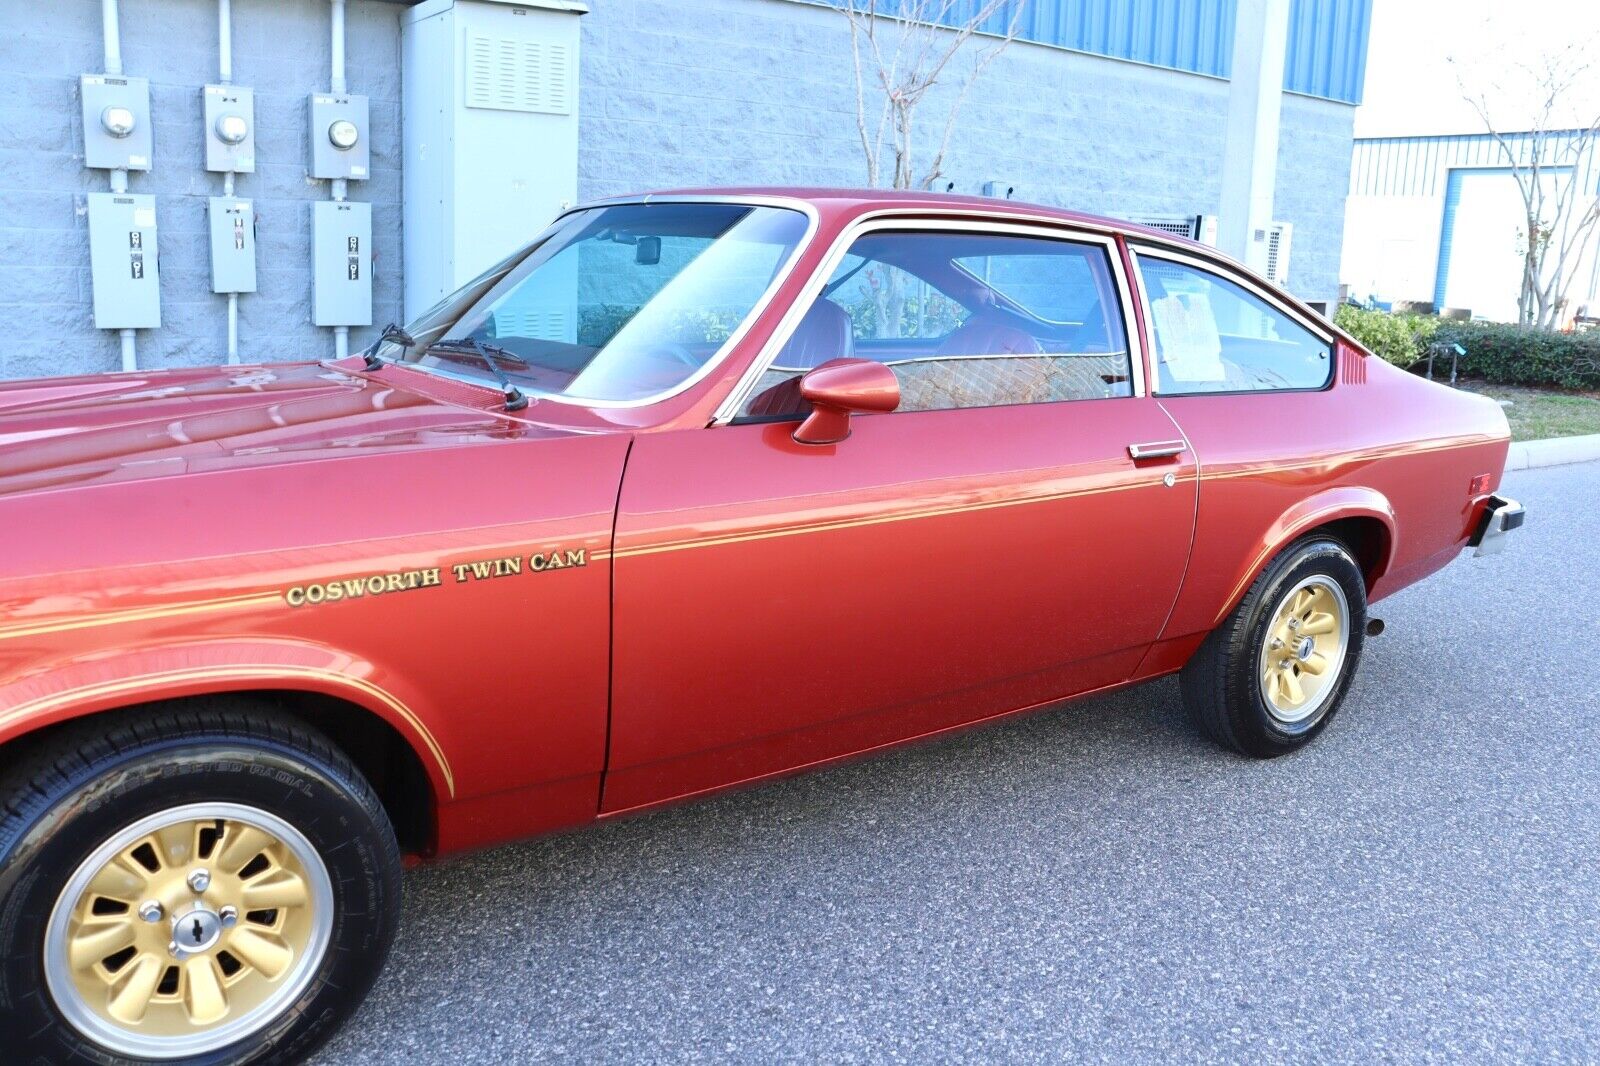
510,74
552,324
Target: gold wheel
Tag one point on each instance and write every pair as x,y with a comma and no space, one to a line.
1304,649
188,930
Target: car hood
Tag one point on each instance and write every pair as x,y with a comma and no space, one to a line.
94,429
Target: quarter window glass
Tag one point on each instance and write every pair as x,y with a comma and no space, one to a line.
963,320
1213,335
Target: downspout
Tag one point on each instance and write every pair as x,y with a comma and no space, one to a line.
112,36
225,76
338,187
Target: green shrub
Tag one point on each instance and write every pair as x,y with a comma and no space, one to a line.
1398,339
1499,353
1504,354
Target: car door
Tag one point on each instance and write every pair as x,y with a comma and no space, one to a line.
989,546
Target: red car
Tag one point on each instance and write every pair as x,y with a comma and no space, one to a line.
695,489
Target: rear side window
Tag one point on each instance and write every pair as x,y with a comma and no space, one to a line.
1212,334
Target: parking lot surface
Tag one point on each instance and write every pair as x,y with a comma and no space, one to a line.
1094,881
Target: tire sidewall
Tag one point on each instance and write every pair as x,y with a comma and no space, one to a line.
1256,727
38,857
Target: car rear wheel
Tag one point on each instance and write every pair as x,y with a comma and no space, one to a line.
196,886
1270,678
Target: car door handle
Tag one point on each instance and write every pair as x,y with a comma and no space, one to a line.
1157,449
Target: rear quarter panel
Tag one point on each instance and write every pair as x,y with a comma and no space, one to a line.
1378,443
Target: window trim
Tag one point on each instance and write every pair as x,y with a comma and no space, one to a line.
1219,269
893,220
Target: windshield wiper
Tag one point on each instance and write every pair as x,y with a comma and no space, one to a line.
515,400
391,332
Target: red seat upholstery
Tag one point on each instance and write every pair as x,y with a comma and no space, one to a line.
985,335
824,333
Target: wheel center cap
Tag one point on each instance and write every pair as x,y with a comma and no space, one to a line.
196,930
1303,650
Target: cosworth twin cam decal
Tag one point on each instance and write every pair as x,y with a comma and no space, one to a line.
362,586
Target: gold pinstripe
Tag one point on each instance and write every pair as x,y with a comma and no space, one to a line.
138,614
240,673
875,520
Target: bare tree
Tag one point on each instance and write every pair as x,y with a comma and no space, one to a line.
901,50
1553,162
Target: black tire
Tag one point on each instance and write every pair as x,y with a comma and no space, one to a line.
88,783
1221,684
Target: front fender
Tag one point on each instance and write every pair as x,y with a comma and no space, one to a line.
1329,505
74,688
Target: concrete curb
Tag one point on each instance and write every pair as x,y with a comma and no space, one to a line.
1553,452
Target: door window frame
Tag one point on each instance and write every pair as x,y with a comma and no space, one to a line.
728,410
1323,330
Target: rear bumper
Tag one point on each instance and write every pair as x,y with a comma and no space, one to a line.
1501,515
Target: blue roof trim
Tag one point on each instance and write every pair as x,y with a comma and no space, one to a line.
1327,47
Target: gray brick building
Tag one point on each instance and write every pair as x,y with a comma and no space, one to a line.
1109,110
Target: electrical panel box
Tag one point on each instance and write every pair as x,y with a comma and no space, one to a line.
1000,189
339,136
116,121
230,129
233,244
122,261
341,268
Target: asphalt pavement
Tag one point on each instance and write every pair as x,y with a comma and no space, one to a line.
1094,882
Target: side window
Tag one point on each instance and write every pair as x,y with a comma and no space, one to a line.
1213,335
963,320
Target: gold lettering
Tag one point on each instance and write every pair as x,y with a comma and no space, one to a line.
430,577
375,584
335,591
511,564
352,587
296,596
315,593
394,583
482,569
461,571
576,558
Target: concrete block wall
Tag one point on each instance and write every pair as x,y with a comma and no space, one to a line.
281,50
720,92
672,92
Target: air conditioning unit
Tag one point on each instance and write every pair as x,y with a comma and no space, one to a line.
1278,239
1202,228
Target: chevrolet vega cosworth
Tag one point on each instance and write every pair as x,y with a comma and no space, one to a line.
693,490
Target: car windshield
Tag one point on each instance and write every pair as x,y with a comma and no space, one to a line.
612,304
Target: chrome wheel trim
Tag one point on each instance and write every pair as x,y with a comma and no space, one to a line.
1284,667
84,1018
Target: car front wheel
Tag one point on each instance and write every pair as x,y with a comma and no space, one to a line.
1270,678
196,886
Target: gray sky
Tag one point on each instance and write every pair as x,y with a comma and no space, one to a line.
1412,88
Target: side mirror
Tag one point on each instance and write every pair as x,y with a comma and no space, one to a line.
838,388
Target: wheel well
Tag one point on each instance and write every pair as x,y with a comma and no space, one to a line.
377,749
1368,541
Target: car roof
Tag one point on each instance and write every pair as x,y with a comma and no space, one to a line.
853,199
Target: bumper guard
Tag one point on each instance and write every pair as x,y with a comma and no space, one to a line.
1501,515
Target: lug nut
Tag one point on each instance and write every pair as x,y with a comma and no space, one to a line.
1294,623
1276,644
200,880
175,951
150,911
229,916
